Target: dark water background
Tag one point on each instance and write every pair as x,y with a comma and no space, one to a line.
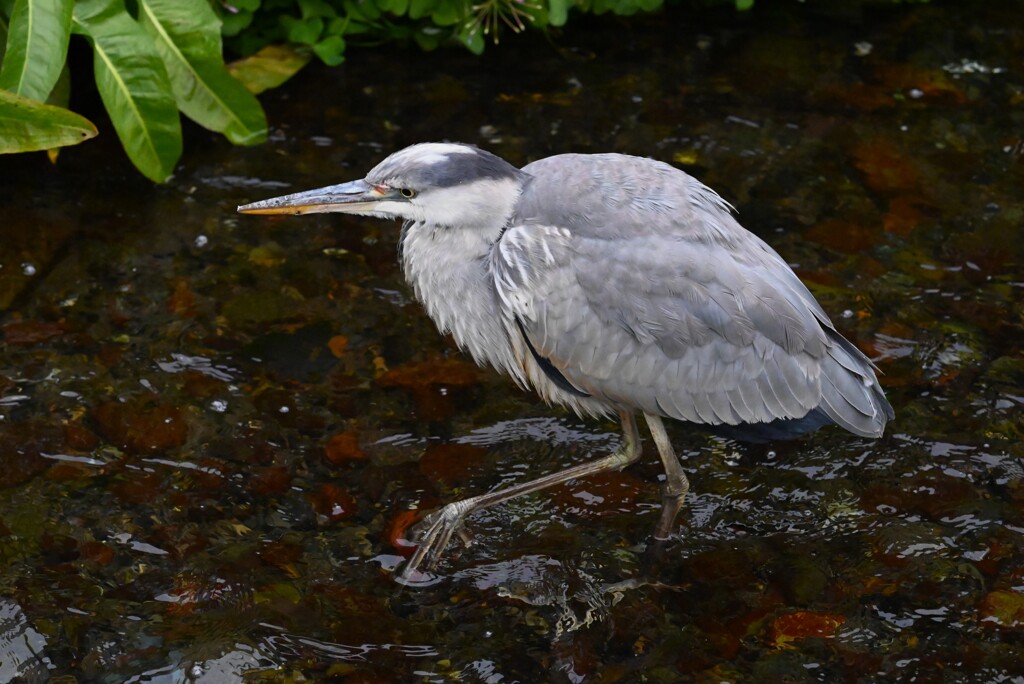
213,427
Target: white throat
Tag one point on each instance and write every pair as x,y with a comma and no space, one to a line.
447,268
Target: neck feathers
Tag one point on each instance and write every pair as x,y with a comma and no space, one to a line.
447,269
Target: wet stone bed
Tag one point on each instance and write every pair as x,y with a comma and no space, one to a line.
216,430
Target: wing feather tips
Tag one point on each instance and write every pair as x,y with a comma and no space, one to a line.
852,397
839,411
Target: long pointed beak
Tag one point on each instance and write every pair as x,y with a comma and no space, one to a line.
348,198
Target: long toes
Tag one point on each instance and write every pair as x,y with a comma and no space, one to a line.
424,556
419,531
436,539
466,536
432,535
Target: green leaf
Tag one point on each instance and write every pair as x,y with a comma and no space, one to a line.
60,94
268,68
744,5
472,38
558,12
365,10
134,86
187,36
303,32
27,125
421,8
37,47
331,50
337,26
447,13
430,37
354,28
539,16
316,8
236,23
313,8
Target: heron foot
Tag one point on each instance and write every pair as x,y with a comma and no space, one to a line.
434,532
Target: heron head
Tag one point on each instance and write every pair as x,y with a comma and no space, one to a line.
442,184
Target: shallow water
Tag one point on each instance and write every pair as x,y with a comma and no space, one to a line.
214,427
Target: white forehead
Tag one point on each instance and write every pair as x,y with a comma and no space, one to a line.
429,153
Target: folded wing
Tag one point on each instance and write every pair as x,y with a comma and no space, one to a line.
703,323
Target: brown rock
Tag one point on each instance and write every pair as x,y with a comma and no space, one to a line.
343,448
141,424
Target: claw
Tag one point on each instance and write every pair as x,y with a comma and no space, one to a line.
434,533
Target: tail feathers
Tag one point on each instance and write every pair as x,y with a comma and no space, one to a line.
851,395
851,398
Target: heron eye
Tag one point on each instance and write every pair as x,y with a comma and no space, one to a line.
408,193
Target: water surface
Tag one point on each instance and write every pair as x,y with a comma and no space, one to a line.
214,428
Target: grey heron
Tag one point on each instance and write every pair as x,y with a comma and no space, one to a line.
613,285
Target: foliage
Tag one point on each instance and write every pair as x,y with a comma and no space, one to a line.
29,125
162,57
327,27
155,58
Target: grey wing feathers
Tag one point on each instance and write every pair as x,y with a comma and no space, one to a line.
652,297
851,395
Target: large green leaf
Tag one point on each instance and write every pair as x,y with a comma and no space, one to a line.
268,68
187,36
60,94
37,46
134,86
27,125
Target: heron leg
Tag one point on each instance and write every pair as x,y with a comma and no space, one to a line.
676,484
436,530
